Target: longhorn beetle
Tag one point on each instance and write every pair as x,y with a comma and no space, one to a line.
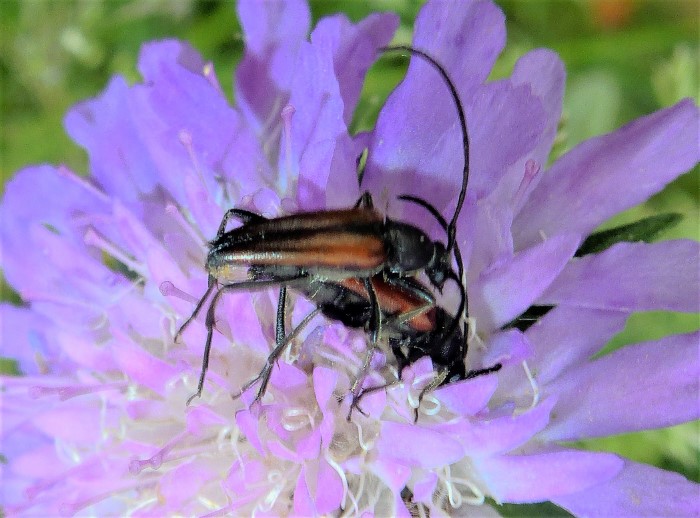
413,332
334,245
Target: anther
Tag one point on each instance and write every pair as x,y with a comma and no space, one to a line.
168,289
532,169
68,392
208,73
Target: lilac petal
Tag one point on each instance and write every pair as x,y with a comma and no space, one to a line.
632,277
509,347
319,489
638,490
142,367
605,175
498,112
354,48
183,118
626,391
31,342
393,474
424,486
486,437
181,485
273,31
316,127
539,477
104,126
417,136
543,71
467,397
508,289
30,201
248,424
60,287
466,41
71,421
398,442
567,336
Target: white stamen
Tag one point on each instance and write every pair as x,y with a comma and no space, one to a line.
333,464
92,238
533,384
286,174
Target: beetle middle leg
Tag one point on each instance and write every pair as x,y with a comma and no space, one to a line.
374,327
281,342
210,318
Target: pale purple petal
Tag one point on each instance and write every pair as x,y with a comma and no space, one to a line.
273,31
398,442
354,48
485,437
466,42
181,485
188,126
508,289
543,71
626,391
30,342
467,397
632,277
105,128
543,476
638,490
606,175
319,489
567,336
317,124
143,367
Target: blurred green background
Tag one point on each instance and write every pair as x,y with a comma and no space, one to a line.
625,58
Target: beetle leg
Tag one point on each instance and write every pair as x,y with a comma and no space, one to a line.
210,320
266,371
434,383
365,201
197,309
374,328
245,216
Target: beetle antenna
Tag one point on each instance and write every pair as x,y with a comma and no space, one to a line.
451,228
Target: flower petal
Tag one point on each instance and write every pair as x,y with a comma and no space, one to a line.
626,391
467,397
568,335
406,157
319,489
273,31
484,437
632,277
543,476
638,490
507,290
398,441
354,48
606,175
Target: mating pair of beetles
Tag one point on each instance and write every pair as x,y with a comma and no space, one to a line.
359,268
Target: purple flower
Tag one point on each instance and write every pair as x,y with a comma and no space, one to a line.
110,266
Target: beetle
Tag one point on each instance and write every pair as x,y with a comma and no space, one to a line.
335,246
413,332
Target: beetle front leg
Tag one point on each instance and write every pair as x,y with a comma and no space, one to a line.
211,320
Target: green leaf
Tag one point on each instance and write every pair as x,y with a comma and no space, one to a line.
646,230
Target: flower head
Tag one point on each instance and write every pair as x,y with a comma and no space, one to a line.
109,269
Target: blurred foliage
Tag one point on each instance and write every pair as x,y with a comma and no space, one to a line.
624,58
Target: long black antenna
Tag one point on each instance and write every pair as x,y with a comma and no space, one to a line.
451,228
